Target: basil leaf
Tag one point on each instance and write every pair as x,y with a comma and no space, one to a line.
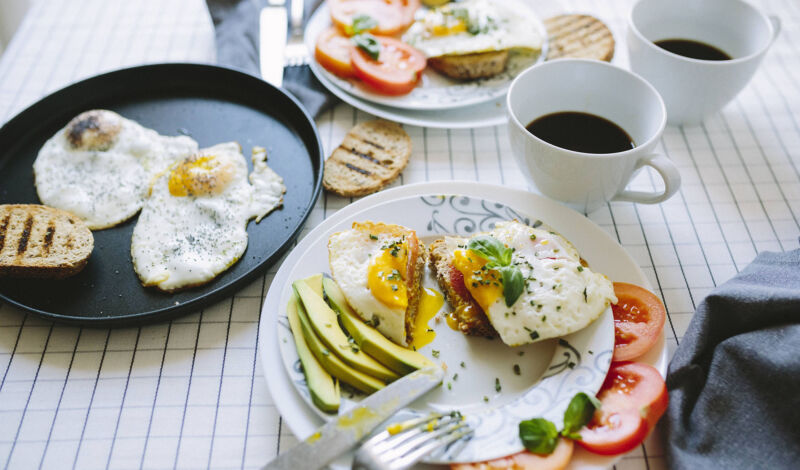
579,413
369,44
513,283
360,24
538,435
491,248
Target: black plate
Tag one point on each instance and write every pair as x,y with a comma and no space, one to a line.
212,105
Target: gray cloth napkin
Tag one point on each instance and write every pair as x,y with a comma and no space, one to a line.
734,382
237,39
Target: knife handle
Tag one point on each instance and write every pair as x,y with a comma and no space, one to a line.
273,28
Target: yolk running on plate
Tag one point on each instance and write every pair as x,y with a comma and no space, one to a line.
385,276
200,175
429,305
484,284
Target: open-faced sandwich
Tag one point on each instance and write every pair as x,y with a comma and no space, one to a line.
464,40
523,284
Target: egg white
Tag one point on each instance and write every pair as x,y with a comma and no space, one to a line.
184,241
105,187
552,304
501,25
350,253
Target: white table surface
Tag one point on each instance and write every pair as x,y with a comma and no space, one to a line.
191,393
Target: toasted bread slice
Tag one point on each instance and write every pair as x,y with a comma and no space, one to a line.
371,156
579,36
42,242
469,316
471,66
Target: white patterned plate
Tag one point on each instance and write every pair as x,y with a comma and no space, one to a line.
602,252
486,390
435,91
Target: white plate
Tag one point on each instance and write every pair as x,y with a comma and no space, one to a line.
596,246
491,113
552,372
435,92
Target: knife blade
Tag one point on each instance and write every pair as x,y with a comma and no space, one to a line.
347,430
272,41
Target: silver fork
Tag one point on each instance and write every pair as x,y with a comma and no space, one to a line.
406,443
295,53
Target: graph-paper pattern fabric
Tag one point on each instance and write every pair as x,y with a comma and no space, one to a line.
191,393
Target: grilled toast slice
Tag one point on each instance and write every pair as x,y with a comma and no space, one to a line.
469,316
42,242
371,156
471,66
579,36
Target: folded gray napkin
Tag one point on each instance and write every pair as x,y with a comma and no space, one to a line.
734,382
236,31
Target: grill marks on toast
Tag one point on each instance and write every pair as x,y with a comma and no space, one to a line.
579,36
371,156
39,241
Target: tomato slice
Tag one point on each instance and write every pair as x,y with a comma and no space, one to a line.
333,52
614,433
633,397
397,70
638,321
393,16
525,460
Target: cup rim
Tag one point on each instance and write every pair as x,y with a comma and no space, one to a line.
714,63
591,62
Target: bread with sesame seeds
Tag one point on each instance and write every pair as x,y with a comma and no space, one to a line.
42,242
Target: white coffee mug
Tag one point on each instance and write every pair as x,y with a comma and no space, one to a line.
696,89
586,181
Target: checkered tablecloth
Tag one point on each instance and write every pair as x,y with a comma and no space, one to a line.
191,393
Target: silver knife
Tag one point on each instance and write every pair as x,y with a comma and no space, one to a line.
347,430
272,26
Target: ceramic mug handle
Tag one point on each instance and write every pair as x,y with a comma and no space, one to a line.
776,27
669,173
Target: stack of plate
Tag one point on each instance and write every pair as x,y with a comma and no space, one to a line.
437,102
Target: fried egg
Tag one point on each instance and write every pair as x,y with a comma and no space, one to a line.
474,26
194,224
378,267
100,165
559,296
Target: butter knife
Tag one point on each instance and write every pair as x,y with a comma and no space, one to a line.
272,27
347,430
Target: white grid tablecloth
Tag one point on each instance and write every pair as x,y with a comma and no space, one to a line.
191,393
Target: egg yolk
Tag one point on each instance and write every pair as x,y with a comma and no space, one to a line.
448,28
385,278
483,284
200,175
429,305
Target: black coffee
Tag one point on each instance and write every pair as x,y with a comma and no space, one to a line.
693,49
581,132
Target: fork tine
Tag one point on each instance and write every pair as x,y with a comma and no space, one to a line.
404,427
422,437
440,440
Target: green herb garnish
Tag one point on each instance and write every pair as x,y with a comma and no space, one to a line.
499,257
539,435
361,23
369,44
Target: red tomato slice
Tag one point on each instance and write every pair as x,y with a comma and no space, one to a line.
525,460
633,397
393,16
614,433
397,70
333,52
638,321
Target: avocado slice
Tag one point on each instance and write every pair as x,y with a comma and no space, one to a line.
324,391
335,366
399,359
315,283
326,326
